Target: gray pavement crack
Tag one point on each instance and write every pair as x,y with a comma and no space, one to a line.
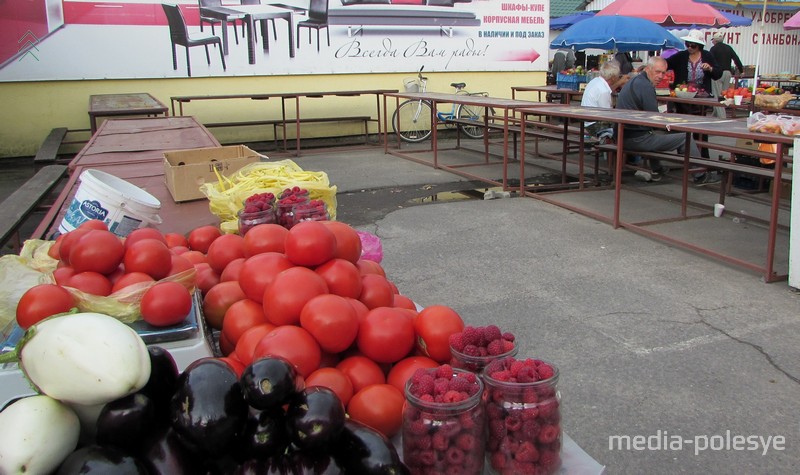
756,347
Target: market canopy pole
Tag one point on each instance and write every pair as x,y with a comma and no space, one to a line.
760,46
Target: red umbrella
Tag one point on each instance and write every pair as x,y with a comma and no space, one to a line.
669,12
793,23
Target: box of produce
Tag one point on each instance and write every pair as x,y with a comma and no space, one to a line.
186,170
571,79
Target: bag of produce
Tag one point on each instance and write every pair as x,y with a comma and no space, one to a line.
773,101
227,196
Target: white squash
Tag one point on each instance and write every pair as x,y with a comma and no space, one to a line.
38,434
84,358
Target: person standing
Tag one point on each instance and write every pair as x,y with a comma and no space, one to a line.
640,94
724,54
564,58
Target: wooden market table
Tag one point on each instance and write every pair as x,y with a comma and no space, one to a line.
116,105
132,149
689,125
498,116
567,95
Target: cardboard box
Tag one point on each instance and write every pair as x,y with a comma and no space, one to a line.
786,189
186,170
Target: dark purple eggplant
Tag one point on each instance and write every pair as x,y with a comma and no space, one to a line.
124,423
269,383
161,384
207,410
265,434
164,454
313,463
315,416
361,450
275,465
99,460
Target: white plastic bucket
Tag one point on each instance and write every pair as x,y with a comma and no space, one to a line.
121,205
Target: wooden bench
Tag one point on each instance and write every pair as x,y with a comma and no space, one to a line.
48,151
18,206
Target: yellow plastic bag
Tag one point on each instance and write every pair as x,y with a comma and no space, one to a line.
226,197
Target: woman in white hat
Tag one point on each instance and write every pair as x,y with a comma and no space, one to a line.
695,66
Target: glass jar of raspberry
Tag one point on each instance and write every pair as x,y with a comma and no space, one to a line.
248,220
523,416
475,347
444,422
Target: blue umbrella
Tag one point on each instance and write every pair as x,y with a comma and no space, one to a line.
566,21
620,33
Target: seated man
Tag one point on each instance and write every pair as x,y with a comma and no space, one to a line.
598,93
640,94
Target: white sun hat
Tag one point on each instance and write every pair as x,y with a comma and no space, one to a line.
695,36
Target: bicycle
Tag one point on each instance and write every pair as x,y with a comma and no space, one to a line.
412,119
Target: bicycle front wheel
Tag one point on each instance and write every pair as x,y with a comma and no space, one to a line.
412,121
473,114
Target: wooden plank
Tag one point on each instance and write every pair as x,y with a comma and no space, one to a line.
16,208
48,151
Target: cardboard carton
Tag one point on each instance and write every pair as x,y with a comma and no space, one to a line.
186,170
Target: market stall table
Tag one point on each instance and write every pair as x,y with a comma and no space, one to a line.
566,95
688,124
502,120
115,105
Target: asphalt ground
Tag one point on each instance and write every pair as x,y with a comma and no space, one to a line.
670,361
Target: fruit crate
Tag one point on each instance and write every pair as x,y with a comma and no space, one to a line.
570,81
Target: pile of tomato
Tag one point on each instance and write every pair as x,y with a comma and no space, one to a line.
304,294
737,91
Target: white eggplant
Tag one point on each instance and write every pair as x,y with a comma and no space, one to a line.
38,434
84,358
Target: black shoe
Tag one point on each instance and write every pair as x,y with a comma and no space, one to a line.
707,178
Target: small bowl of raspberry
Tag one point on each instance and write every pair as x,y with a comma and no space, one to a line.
444,422
523,416
475,347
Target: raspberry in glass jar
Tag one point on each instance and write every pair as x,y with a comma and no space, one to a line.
475,347
523,416
444,422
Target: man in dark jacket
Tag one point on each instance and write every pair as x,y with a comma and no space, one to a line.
640,94
724,54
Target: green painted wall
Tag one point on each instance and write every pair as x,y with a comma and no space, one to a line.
31,109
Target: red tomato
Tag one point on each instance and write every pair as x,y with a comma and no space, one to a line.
98,251
236,365
334,380
195,257
386,335
131,278
433,326
201,238
401,301
54,250
285,297
42,301
310,243
223,250
232,270
331,320
178,250
376,291
240,317
405,368
259,271
379,406
179,264
69,239
63,274
342,277
143,233
361,371
165,304
94,224
348,243
248,341
225,345
115,274
150,256
205,278
360,308
217,301
90,282
366,266
265,238
293,343
176,240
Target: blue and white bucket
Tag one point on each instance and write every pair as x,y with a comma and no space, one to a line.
121,205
